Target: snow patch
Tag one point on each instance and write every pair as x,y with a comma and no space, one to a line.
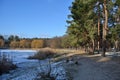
29,69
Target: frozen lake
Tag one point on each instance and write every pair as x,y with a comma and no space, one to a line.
18,56
29,69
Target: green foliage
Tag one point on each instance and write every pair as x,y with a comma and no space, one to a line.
115,33
87,15
1,37
66,40
13,38
83,26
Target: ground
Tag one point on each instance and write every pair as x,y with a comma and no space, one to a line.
94,67
88,67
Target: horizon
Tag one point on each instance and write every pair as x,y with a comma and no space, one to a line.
34,18
7,36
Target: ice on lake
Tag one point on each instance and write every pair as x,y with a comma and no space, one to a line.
18,56
29,69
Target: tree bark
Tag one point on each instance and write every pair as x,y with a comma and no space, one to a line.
98,30
93,46
105,27
116,45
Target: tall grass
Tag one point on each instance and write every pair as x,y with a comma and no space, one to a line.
6,64
44,54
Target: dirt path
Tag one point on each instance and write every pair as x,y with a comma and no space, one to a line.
89,69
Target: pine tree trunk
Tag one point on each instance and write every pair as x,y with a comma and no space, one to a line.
116,45
93,46
104,48
105,27
98,30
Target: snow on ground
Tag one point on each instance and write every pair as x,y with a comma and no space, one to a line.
29,69
113,53
26,71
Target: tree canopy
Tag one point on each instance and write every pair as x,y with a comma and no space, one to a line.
92,20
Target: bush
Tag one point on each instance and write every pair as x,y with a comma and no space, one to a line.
43,54
6,64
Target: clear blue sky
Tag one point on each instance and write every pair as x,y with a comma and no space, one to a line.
34,18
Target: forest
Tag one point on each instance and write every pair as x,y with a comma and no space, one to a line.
14,41
89,50
93,25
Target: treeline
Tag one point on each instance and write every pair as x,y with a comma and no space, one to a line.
94,24
14,41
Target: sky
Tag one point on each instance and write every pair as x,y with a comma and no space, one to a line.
34,18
